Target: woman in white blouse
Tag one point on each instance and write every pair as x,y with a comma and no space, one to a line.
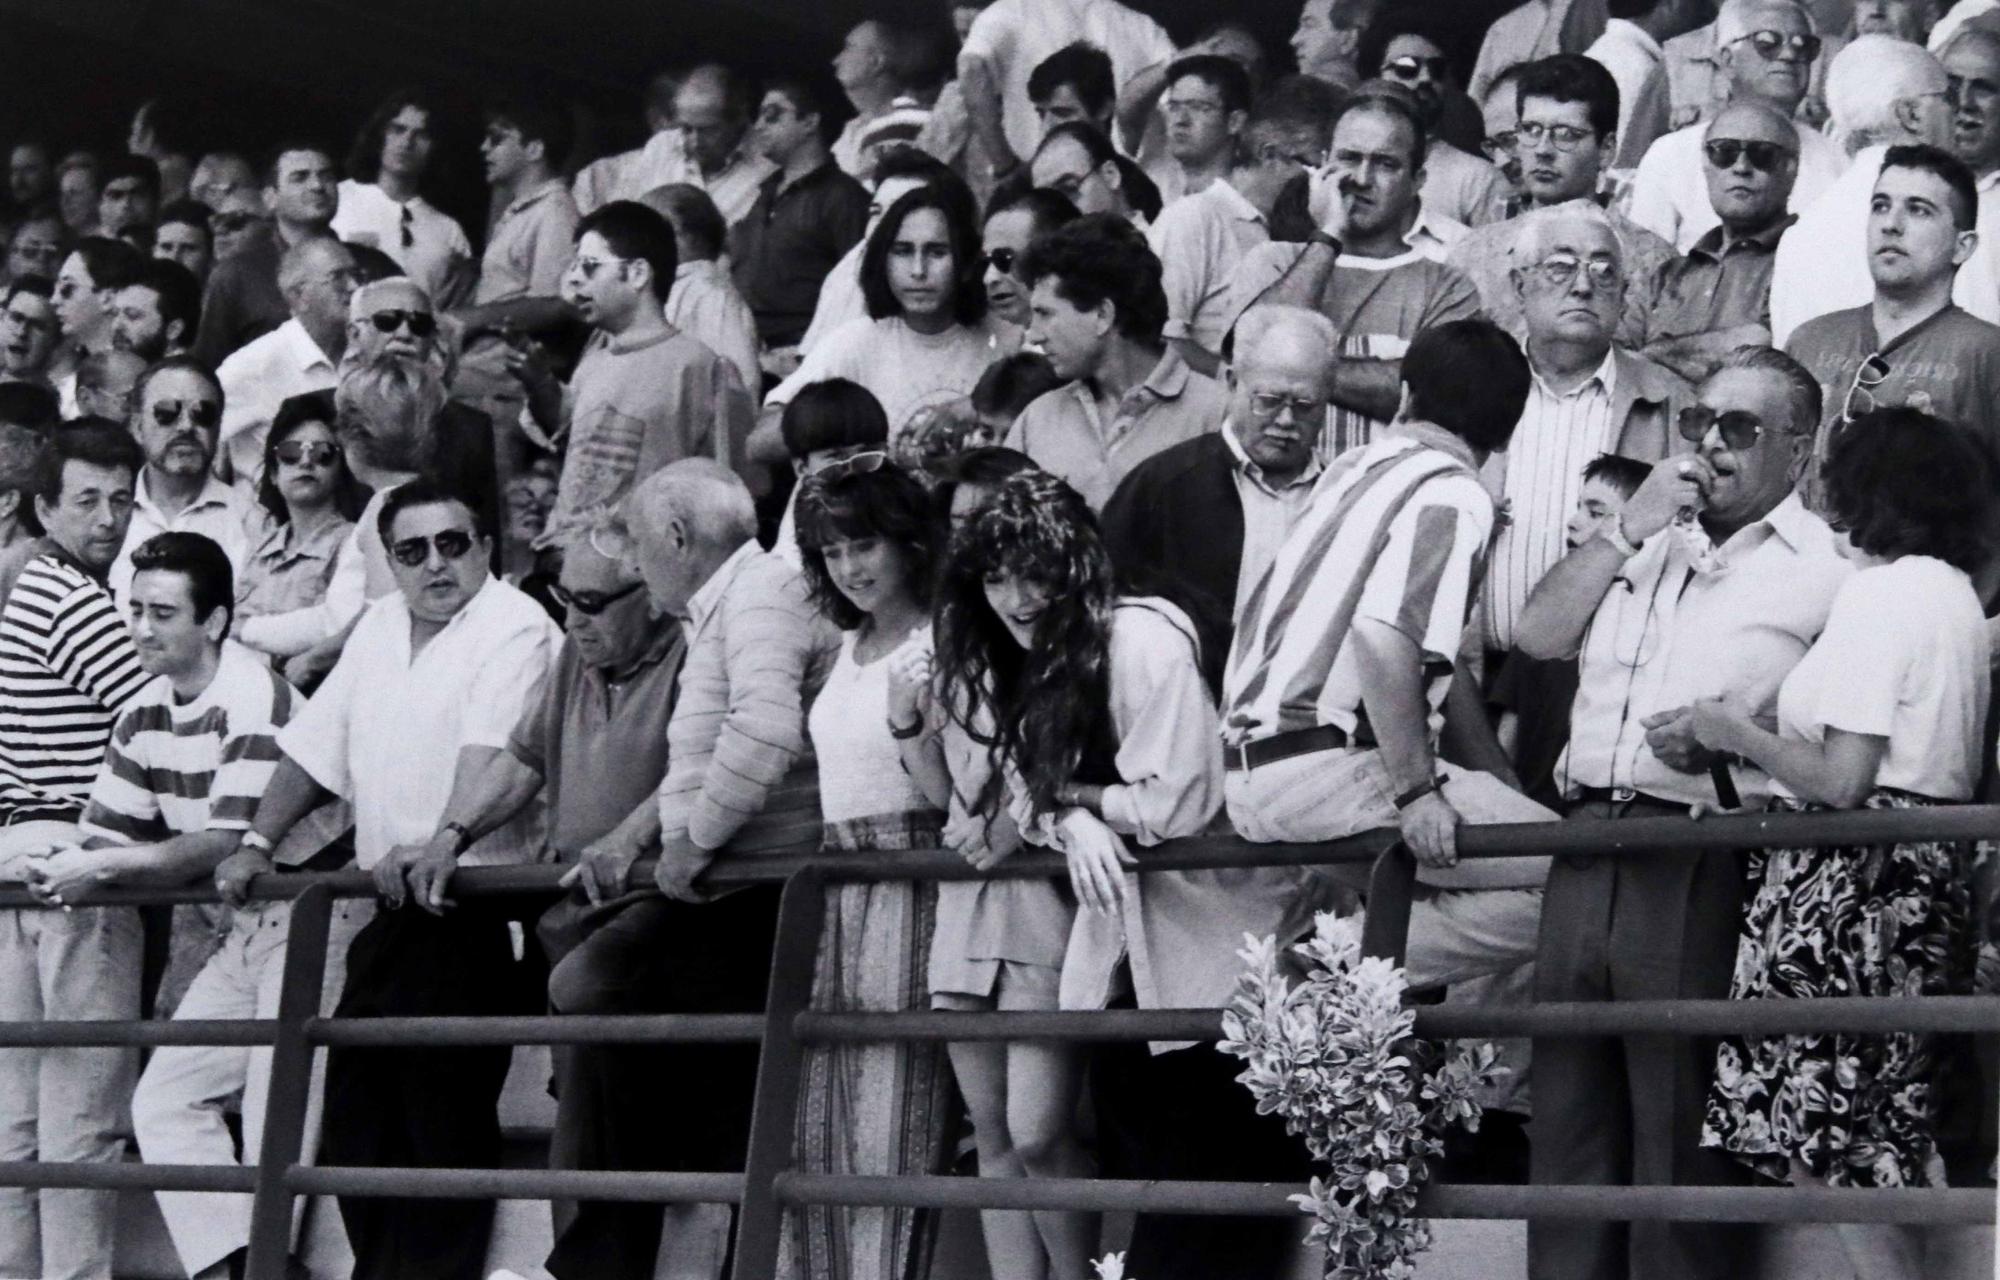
1883,712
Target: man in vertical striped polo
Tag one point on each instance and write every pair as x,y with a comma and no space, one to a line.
1334,692
188,760
67,668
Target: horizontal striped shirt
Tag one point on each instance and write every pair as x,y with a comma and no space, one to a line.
757,652
175,768
67,668
1396,533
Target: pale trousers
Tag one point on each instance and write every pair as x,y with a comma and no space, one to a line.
65,1105
1478,918
178,1110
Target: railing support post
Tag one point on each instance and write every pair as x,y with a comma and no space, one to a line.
291,1082
781,1066
1392,886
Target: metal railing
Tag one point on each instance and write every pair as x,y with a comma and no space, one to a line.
769,1183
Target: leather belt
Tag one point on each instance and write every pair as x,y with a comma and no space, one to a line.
1623,795
1242,757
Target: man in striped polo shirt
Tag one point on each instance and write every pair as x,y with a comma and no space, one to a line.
67,668
188,761
1334,692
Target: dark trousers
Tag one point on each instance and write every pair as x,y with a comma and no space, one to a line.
667,1108
1182,1115
420,1107
1627,1110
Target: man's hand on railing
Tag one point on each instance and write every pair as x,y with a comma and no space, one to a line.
681,860
235,872
602,868
1430,829
64,876
419,873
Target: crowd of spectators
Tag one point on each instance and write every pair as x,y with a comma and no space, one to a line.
1079,443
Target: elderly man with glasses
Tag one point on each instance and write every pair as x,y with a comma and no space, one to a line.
1714,581
442,668
317,277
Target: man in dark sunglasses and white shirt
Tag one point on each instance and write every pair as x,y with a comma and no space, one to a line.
439,670
177,408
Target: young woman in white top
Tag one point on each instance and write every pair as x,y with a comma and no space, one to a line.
928,336
868,535
1883,712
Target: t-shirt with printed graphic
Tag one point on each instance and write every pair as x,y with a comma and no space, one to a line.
906,370
635,409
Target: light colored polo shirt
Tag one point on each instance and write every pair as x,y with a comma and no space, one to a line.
1670,188
530,246
1199,240
1068,433
631,174
705,305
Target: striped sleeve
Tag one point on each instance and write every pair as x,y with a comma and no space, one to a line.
249,757
1423,581
123,805
90,646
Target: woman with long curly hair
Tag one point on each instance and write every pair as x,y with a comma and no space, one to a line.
1883,712
1101,734
869,535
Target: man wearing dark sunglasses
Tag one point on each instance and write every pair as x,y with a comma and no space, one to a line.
1717,296
175,417
1765,51
432,682
1714,581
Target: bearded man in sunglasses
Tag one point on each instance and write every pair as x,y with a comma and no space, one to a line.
176,412
1714,581
1765,52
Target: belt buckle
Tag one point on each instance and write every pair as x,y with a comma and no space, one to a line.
1237,754
1624,795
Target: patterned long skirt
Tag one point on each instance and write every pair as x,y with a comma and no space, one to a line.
1884,920
872,1108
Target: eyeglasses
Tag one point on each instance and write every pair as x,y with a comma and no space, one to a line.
1269,404
203,414
859,464
1498,145
1764,157
1002,260
1861,394
1769,44
298,453
1409,68
590,603
1740,428
1559,271
589,267
421,324
1563,137
451,545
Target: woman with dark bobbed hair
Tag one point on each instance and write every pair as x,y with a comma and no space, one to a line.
1883,712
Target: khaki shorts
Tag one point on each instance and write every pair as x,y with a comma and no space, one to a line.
1020,988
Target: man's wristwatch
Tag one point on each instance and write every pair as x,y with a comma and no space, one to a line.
255,843
461,837
1322,236
1417,793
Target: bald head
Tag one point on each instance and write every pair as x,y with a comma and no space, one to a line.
1884,91
1750,161
711,108
681,523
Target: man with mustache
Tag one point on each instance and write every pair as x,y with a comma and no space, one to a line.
175,418
1376,267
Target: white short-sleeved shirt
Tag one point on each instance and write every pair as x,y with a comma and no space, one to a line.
1014,36
1199,240
905,370
386,728
258,377
426,242
1905,657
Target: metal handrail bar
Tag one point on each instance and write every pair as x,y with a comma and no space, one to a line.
235,1033
127,1177
551,1029
629,1186
1962,1015
1934,1206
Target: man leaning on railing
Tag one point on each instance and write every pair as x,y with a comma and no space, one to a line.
1714,582
439,670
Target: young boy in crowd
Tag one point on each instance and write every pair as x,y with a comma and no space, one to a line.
1532,696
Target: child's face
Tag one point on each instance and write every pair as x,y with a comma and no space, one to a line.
1596,508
